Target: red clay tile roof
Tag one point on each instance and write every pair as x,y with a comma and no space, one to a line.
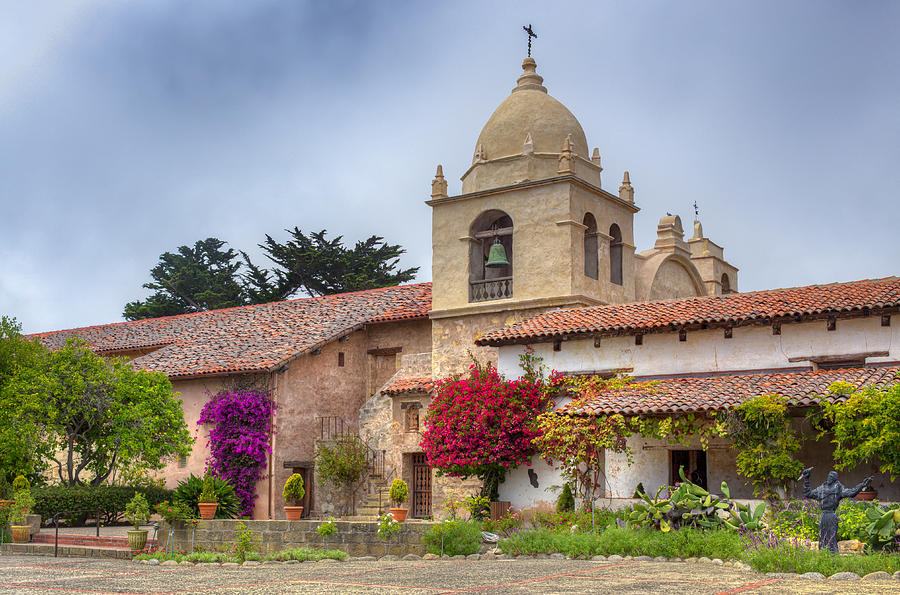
409,385
735,309
249,338
677,395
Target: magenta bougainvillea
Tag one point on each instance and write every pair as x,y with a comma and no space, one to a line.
483,425
239,442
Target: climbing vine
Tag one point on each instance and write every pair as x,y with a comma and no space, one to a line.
239,441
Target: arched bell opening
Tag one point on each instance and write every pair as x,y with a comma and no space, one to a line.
726,284
615,254
491,257
591,258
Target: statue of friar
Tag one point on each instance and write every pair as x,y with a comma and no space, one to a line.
830,494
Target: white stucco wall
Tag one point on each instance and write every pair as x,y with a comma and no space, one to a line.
750,348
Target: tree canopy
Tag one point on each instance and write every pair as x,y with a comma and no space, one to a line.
208,277
91,415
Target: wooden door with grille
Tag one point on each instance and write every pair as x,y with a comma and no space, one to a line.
421,496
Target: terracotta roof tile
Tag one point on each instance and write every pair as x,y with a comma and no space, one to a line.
710,393
409,385
249,338
736,308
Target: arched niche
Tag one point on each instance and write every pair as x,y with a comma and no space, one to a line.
591,258
494,282
615,254
726,284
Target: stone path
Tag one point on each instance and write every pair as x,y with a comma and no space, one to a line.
36,575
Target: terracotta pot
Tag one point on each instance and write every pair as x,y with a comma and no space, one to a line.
399,514
293,512
207,510
21,533
137,539
869,495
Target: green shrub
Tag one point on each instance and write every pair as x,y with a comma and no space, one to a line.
208,491
327,529
791,558
245,542
109,500
6,490
137,511
20,483
188,492
304,554
564,521
686,543
566,501
854,520
797,519
460,538
399,492
24,503
293,490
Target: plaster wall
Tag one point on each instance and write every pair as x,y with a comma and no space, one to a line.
673,281
194,394
750,348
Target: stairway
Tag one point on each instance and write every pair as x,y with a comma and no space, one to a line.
368,510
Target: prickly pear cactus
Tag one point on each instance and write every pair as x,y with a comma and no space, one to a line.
884,528
691,505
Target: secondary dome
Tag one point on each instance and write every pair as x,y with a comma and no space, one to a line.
530,110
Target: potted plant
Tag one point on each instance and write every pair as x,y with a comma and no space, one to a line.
24,502
398,494
867,493
293,495
208,501
137,512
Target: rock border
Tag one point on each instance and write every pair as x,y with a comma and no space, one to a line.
879,575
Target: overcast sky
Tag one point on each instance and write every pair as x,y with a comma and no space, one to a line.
130,128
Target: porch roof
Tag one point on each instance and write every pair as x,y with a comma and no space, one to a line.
409,385
711,393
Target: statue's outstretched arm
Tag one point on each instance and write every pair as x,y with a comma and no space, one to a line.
851,492
808,493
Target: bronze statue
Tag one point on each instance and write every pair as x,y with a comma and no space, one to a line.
830,494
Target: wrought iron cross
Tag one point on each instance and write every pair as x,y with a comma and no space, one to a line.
531,34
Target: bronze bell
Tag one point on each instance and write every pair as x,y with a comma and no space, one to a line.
497,255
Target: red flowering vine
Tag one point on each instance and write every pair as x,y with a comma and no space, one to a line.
484,425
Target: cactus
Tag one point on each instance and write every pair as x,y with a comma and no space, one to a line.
691,505
885,526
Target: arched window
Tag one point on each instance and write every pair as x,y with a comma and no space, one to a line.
591,263
492,243
726,284
615,254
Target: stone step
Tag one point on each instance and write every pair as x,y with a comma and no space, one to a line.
66,551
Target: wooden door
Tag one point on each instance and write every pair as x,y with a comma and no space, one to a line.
421,497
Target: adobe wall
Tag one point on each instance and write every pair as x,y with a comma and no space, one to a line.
194,394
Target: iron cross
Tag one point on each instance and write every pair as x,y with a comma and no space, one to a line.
531,34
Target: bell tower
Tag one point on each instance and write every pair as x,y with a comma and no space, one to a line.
532,229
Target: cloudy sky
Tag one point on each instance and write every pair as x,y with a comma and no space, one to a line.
130,128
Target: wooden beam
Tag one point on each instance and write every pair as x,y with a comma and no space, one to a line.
385,351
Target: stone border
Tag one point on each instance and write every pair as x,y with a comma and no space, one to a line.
840,576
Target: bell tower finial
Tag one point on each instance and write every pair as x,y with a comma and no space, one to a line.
439,184
626,192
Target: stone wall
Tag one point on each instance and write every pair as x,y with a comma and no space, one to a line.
355,538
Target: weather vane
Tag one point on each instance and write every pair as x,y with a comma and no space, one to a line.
531,34
696,211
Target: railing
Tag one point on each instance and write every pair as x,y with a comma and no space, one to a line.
68,513
491,289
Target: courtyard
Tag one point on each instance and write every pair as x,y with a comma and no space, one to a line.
30,574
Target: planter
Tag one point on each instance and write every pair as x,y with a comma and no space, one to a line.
399,514
21,533
137,540
867,495
293,512
207,510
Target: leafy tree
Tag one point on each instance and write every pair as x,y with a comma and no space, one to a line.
343,463
866,426
483,425
96,412
21,450
317,265
204,277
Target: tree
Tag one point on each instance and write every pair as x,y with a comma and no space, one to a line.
865,427
316,265
97,413
204,277
343,463
484,425
20,445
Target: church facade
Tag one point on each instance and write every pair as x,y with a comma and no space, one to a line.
534,232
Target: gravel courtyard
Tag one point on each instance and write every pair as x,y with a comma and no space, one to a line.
37,575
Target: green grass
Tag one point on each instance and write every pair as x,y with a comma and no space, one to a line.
684,543
301,554
788,558
460,538
305,554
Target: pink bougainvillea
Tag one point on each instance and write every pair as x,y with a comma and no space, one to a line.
483,425
239,442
